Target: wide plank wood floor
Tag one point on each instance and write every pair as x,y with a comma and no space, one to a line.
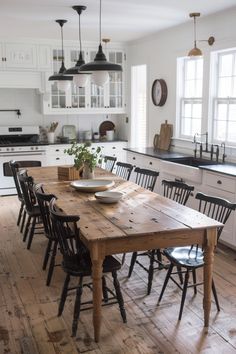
28,309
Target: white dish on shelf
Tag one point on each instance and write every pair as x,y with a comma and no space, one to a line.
92,185
108,197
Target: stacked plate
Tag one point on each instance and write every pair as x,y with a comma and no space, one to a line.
108,197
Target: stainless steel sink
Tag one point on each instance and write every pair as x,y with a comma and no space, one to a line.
192,161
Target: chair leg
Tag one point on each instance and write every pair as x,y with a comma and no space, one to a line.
23,221
159,258
52,263
119,296
47,253
150,271
26,228
180,275
123,258
20,214
104,289
215,295
184,294
31,235
63,295
168,274
77,307
194,281
131,267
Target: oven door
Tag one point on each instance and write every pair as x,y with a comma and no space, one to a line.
7,185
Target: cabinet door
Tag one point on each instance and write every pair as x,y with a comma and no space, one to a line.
97,93
44,57
55,155
116,81
20,56
79,95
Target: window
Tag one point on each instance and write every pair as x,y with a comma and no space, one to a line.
189,96
138,106
224,98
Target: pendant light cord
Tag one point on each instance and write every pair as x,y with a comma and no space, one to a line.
195,32
62,46
80,41
100,21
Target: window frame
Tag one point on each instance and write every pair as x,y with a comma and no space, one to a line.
181,98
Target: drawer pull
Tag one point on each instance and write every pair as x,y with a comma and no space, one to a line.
57,150
134,158
219,182
150,163
58,158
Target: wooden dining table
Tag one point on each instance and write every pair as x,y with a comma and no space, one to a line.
141,220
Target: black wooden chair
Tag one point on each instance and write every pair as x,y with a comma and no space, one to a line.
146,178
31,208
179,192
190,258
123,170
76,263
52,246
108,163
14,167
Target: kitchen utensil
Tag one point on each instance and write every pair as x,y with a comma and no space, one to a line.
87,135
92,185
96,136
106,125
108,197
69,131
166,133
155,141
110,135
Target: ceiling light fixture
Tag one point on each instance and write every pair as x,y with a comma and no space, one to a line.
79,79
63,82
196,51
100,67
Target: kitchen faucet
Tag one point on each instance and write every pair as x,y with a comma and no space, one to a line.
224,154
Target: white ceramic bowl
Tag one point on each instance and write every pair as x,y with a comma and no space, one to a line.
108,197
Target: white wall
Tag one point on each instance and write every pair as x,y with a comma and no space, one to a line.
160,51
29,102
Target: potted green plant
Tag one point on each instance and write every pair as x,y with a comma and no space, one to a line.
84,158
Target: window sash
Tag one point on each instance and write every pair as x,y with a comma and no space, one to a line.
192,120
223,127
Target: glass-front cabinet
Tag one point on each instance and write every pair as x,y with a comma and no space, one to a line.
89,99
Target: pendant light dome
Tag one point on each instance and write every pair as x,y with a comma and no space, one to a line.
100,67
63,82
79,79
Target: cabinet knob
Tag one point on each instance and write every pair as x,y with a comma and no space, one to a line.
134,158
150,163
219,182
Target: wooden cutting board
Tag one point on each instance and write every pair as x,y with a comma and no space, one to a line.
165,135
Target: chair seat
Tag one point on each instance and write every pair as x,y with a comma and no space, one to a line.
185,256
82,266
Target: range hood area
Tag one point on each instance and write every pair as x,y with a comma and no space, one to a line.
22,79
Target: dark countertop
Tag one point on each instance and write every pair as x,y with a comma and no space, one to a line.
226,169
223,168
157,153
41,143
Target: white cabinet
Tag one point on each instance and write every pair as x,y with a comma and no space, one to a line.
224,187
18,56
89,99
55,155
44,57
115,149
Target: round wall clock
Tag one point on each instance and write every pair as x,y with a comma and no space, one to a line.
159,92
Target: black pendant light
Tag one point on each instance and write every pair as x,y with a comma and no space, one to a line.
63,81
100,66
80,79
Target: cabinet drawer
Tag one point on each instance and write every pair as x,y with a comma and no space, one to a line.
220,182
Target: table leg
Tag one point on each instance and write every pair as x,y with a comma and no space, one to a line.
208,268
97,297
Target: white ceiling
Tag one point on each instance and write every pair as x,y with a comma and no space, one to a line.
122,20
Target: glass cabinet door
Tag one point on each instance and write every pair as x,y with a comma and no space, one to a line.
96,92
58,98
78,94
116,81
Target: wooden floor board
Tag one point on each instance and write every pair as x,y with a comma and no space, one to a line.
29,322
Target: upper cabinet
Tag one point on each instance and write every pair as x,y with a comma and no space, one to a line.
89,99
18,55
